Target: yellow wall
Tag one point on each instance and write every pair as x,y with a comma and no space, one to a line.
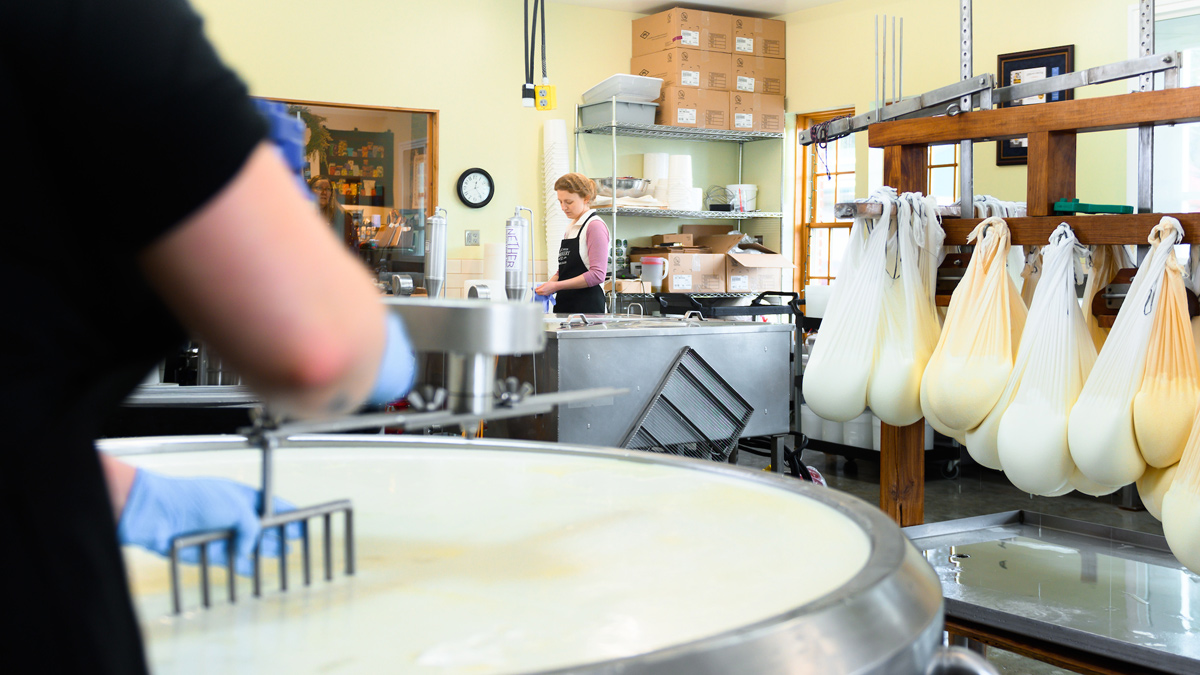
830,65
459,57
463,58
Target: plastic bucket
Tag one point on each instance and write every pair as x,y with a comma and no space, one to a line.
857,432
743,197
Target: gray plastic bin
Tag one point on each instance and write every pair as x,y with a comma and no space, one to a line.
628,112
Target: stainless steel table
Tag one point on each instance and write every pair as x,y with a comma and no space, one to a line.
1088,597
635,353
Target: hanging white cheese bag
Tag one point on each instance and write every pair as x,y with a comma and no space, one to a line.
909,324
1100,430
981,441
970,366
1054,359
1166,402
839,368
1193,284
1181,504
1106,261
1153,486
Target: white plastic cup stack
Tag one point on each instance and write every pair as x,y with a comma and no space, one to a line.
679,182
555,163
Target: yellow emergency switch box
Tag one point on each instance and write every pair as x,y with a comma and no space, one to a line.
545,97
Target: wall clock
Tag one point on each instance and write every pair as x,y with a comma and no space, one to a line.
476,188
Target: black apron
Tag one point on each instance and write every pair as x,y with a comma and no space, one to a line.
588,300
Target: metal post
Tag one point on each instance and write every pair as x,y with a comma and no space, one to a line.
878,98
612,294
1146,133
741,145
900,77
966,154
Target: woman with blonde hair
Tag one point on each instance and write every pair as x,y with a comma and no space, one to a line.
333,213
583,255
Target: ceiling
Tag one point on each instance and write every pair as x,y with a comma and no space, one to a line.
760,8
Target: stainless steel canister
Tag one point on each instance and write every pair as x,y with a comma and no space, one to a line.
517,251
435,253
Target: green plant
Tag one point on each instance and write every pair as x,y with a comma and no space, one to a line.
318,137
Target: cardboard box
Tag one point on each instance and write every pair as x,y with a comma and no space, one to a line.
698,231
628,286
756,112
759,75
664,239
693,269
695,273
680,27
759,37
748,272
694,108
687,68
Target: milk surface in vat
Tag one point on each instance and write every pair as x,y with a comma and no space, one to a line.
491,561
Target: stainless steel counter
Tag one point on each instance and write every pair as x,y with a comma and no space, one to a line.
635,352
1098,589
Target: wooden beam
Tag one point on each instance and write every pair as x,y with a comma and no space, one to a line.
906,168
902,449
1126,111
1051,174
1091,230
902,473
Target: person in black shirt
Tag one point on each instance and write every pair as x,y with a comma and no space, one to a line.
125,96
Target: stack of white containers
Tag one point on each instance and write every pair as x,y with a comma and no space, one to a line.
656,169
554,165
681,196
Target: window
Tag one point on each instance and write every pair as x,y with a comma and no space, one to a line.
826,177
943,173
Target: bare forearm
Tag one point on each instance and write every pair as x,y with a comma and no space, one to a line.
574,283
119,477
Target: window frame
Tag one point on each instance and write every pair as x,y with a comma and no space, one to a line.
806,172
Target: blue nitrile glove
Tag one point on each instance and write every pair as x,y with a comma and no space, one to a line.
398,367
546,300
160,508
287,133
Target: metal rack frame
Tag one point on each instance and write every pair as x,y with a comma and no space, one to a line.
615,129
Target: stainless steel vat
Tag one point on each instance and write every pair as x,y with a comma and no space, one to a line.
886,618
635,353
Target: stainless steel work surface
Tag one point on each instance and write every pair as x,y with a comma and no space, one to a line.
1100,589
636,353
198,396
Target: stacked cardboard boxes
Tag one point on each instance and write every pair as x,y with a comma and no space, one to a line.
711,62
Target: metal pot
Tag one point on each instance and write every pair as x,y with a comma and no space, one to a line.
626,187
885,618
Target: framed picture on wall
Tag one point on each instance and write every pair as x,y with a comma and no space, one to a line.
1029,66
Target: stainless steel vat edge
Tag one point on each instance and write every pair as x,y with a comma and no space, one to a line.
894,604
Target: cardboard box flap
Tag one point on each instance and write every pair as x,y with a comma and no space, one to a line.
719,243
706,230
761,260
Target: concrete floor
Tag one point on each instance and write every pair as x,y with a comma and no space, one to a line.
975,492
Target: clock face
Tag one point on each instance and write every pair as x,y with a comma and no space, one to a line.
475,188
